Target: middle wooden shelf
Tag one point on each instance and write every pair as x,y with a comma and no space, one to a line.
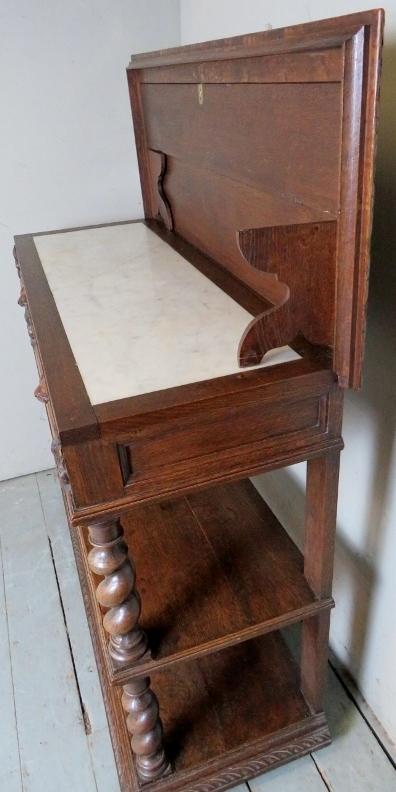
213,569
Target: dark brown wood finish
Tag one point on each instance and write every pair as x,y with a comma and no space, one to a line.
220,160
324,66
75,418
202,757
287,256
241,576
227,134
116,593
321,35
320,528
256,161
362,72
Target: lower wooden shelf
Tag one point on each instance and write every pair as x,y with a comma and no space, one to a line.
228,715
213,569
217,706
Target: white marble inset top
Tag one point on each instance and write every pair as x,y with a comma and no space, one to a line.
138,316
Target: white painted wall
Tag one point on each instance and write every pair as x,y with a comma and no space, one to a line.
67,158
363,631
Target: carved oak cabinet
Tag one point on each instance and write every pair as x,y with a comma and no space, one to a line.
179,355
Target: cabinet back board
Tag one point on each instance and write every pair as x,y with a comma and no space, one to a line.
259,151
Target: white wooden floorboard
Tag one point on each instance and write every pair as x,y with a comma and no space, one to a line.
301,775
80,639
53,747
10,768
355,762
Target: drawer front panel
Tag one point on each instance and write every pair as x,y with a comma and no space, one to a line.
218,432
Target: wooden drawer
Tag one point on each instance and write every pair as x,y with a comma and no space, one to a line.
223,430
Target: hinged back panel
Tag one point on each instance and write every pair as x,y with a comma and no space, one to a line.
259,151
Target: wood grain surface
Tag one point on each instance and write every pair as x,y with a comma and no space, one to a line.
258,151
240,575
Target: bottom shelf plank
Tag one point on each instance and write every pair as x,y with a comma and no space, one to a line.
218,704
228,716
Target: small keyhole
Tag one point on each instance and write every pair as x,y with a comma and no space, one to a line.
200,93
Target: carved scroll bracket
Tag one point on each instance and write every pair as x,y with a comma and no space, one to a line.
293,268
273,328
158,168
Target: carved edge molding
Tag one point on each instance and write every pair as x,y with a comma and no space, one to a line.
22,301
17,264
258,765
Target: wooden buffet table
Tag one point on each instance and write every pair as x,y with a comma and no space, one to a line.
179,355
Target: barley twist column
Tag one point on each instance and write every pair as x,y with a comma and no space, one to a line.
109,557
144,723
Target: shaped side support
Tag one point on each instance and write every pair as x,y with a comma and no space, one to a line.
293,268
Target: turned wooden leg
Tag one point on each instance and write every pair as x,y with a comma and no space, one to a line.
144,724
109,557
128,643
320,527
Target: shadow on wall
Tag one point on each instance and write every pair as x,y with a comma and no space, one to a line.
357,561
379,381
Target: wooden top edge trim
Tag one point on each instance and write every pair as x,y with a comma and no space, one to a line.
79,228
74,415
320,34
196,392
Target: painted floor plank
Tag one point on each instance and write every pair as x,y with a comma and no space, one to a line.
355,762
103,761
56,755
10,768
53,747
80,639
52,502
301,775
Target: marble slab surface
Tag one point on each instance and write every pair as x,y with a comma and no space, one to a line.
138,316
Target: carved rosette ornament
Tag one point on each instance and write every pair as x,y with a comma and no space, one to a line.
41,392
28,320
17,264
22,297
63,477
22,301
128,643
